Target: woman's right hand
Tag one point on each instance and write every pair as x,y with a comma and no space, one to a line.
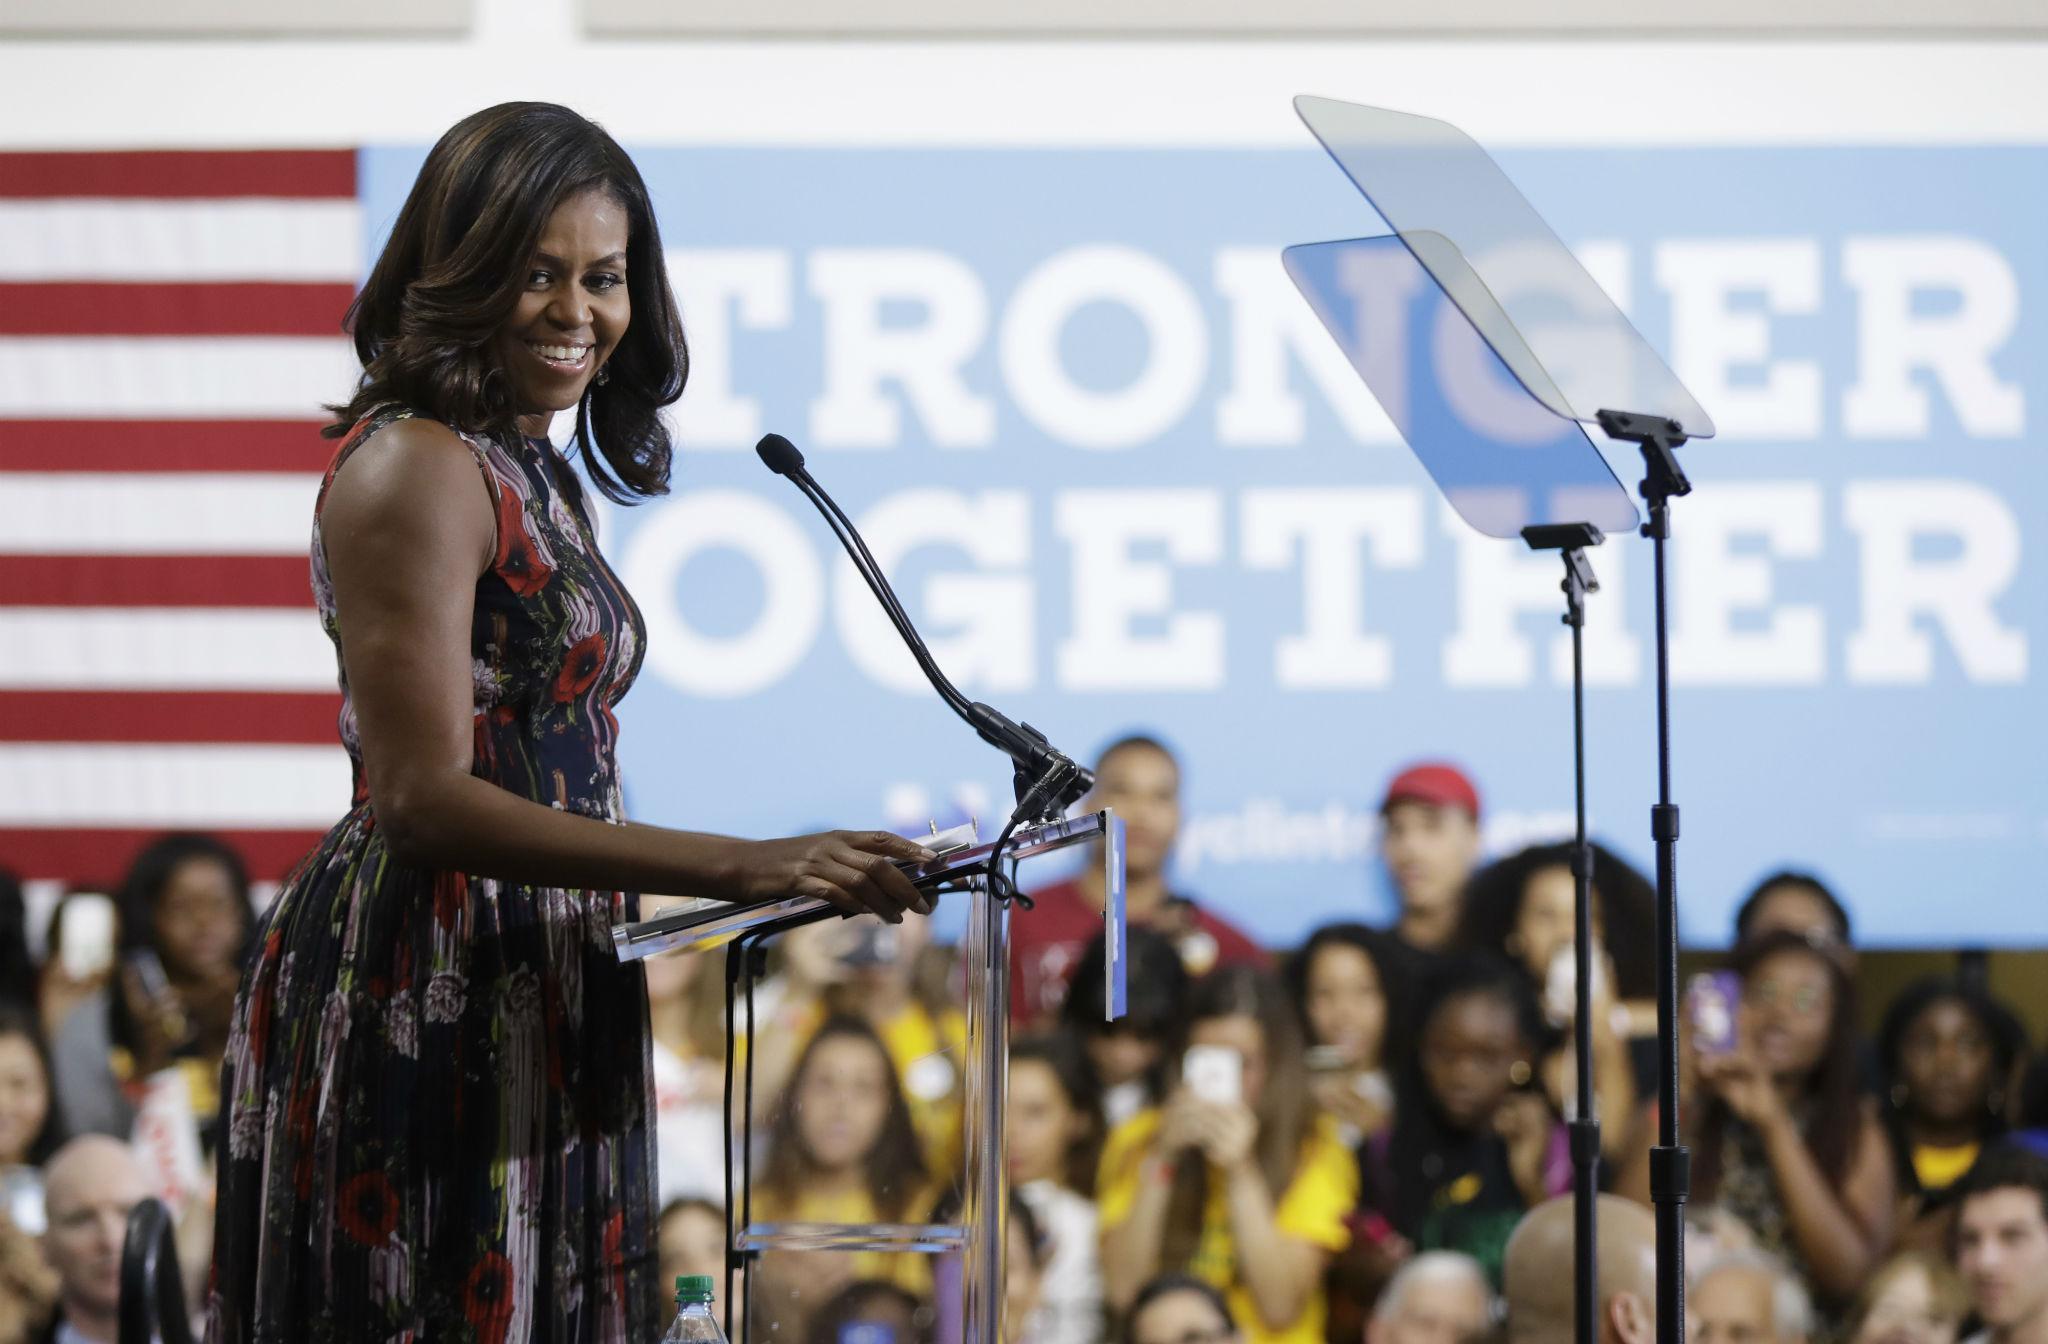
854,870
1183,1121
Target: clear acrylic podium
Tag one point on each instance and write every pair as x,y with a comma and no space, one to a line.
979,1235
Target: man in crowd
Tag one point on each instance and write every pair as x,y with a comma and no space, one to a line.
1537,1277
1140,778
1747,1297
1439,1297
2002,1244
89,1188
1429,841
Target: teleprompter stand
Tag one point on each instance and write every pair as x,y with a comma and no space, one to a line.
1491,347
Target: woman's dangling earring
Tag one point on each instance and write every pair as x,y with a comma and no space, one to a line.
1519,1074
604,374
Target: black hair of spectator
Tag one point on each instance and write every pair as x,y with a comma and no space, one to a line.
1063,1053
17,968
2005,1166
1391,960
853,1304
1156,995
143,888
1165,1286
17,1019
1745,914
896,1171
1624,906
1136,742
1834,1117
1421,1135
2001,1027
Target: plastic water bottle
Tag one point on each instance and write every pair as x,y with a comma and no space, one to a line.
694,1323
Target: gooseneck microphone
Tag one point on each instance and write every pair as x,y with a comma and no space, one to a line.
1036,759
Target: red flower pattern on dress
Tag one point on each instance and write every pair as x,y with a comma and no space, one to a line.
487,1297
521,562
580,668
369,1208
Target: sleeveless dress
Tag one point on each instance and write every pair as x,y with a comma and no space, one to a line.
435,1108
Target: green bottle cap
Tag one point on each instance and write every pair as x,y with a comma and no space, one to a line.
693,1288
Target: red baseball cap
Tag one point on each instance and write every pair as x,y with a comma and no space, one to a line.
1436,783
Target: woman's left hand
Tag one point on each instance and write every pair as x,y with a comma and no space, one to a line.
1745,1085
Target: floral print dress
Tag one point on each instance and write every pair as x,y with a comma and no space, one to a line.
435,1097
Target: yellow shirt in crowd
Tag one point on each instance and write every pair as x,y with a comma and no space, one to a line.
1323,1190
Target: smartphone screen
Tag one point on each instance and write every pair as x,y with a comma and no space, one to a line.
1711,1002
1214,1073
85,935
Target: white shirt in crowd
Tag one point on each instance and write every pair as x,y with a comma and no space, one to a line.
1070,1292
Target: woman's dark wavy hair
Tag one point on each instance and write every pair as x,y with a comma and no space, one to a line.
2001,1027
1833,1090
1624,903
456,264
1745,914
895,1169
17,1019
1390,961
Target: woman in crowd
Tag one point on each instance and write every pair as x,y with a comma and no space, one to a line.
1133,1055
1347,982
1180,1309
1949,1052
1475,1142
1916,1297
686,1020
689,1238
1052,1139
1521,908
185,929
843,1149
1781,1133
31,1127
1235,1178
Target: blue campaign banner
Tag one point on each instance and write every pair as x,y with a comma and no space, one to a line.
1124,481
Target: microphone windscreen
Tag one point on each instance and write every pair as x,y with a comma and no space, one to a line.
779,454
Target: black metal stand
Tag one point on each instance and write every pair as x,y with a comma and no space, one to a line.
1570,539
1670,1163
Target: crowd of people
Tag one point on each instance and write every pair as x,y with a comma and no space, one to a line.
1362,1138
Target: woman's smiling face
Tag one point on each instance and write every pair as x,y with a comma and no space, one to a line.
572,311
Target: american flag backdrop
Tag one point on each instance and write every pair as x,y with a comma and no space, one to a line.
169,325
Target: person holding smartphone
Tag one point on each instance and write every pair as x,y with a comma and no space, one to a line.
183,932
1236,1178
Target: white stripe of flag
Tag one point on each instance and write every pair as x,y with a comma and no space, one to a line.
260,239
156,513
122,784
162,649
178,377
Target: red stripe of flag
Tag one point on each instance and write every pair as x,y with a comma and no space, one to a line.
157,580
160,173
174,309
164,445
95,855
286,718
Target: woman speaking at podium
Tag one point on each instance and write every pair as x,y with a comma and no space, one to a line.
435,1098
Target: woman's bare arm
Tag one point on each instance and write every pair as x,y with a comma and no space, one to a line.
407,527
